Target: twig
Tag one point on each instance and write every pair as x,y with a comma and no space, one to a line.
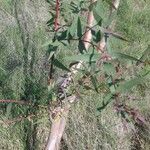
85,42
15,101
57,15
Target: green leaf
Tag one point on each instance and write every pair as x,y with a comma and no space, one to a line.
79,28
84,57
110,19
112,89
50,55
107,99
51,48
51,21
73,27
128,85
96,36
109,69
124,56
62,36
109,48
81,47
97,17
100,13
58,64
146,56
51,2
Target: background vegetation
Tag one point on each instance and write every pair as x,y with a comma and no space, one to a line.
24,69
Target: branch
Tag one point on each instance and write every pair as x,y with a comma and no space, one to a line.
57,128
15,101
60,118
59,115
57,15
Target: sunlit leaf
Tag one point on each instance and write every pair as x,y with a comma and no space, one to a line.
51,54
112,89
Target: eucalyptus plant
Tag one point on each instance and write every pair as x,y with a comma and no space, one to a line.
88,45
77,54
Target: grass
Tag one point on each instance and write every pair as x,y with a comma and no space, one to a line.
86,129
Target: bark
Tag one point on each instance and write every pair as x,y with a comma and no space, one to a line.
57,129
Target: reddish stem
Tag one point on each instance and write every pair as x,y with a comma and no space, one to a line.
14,101
56,23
